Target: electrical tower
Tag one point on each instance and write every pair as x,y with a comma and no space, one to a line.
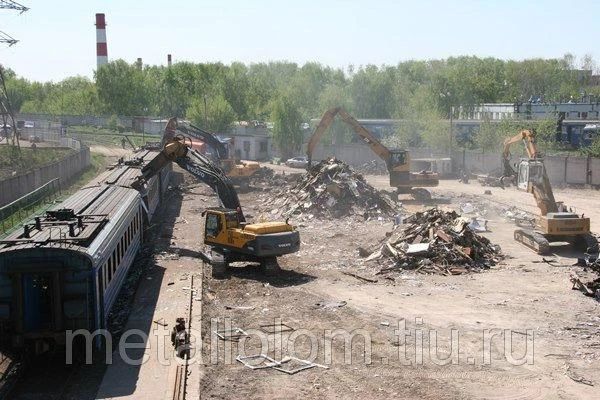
13,5
7,118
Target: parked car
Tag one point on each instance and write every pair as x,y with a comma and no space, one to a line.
297,162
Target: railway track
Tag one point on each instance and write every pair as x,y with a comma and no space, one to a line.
181,377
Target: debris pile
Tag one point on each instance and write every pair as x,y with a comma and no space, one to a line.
262,174
332,189
436,241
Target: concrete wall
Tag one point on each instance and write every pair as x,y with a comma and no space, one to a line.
571,170
17,186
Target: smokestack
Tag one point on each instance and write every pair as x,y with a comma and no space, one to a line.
139,63
101,49
168,60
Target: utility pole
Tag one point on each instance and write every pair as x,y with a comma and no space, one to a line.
6,110
451,116
205,114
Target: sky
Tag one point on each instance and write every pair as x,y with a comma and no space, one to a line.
57,38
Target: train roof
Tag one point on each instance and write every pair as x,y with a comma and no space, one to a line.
126,171
80,219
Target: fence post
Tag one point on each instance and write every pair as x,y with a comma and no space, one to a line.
565,172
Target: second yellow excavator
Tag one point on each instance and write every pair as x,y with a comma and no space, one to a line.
397,161
556,224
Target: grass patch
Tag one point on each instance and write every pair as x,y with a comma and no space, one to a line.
15,161
98,164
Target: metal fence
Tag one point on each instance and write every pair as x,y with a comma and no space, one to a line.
16,212
57,137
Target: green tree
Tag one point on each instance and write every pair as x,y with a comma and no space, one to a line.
214,113
287,120
122,88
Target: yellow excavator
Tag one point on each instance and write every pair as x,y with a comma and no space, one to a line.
556,224
396,160
226,231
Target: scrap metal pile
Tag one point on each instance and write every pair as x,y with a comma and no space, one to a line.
436,241
332,189
591,264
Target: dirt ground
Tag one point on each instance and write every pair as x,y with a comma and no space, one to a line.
514,331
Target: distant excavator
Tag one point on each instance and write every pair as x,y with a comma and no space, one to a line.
238,171
556,224
396,160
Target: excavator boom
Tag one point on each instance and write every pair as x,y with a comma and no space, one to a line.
378,148
200,166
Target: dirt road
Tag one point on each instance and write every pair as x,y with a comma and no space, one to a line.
515,331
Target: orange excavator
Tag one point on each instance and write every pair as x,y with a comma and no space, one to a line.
556,224
396,160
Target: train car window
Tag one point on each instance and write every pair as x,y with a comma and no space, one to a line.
104,275
111,261
119,254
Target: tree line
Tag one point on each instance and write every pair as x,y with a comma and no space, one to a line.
214,95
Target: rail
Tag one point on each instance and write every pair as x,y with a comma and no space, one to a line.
14,213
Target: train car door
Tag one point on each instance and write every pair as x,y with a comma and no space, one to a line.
38,301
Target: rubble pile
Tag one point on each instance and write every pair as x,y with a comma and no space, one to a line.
263,174
436,241
332,189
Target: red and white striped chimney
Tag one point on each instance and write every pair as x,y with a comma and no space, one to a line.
101,49
168,60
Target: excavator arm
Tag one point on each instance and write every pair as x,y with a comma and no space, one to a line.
175,150
206,137
532,175
379,149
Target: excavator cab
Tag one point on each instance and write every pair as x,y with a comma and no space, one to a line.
530,172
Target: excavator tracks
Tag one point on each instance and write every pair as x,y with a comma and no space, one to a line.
589,243
420,194
534,240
